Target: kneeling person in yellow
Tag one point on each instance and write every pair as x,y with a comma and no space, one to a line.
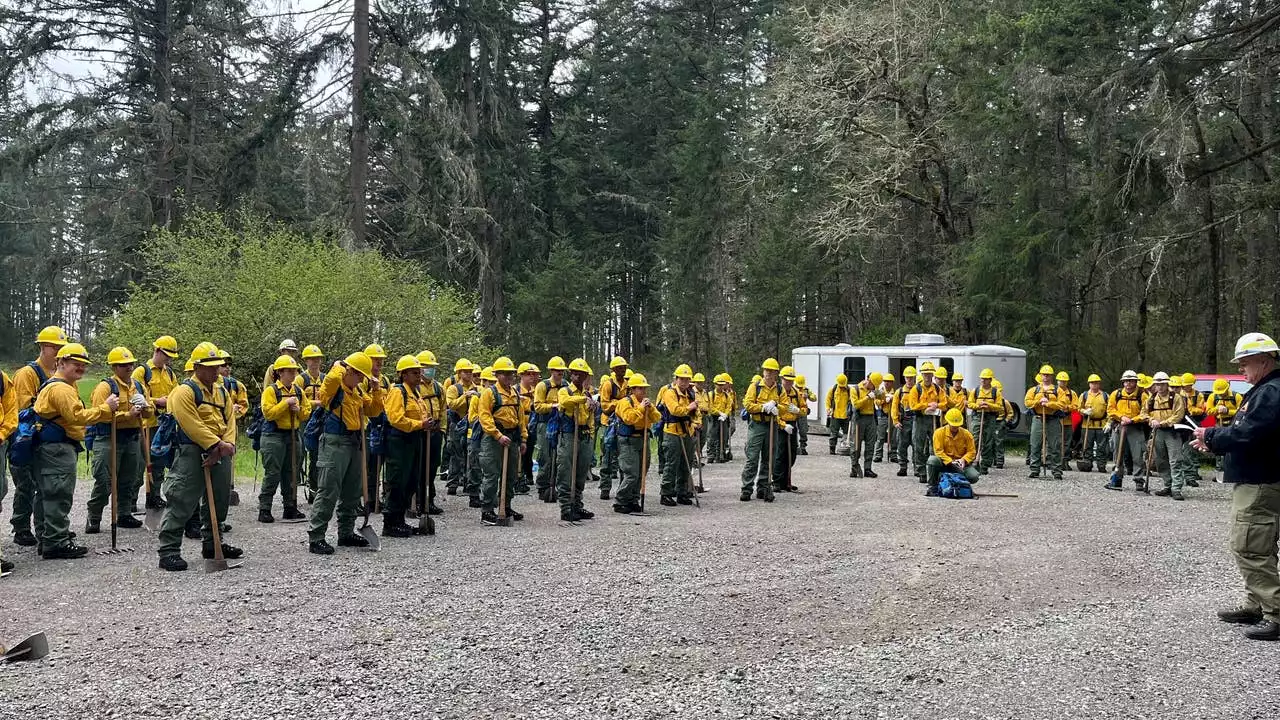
341,453
574,451
953,451
205,443
506,430
128,451
62,431
636,416
285,406
679,416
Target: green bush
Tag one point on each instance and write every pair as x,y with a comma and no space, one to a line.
248,286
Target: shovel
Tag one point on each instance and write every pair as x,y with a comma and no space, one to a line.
115,496
856,471
153,515
685,454
33,648
426,524
644,465
503,519
1084,453
1118,473
293,470
219,562
366,531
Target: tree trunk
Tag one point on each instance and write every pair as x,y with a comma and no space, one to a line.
359,125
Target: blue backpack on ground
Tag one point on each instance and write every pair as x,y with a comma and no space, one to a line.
955,486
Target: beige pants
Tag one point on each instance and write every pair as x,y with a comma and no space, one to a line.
1255,530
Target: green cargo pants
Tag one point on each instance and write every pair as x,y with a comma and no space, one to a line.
836,427
491,456
457,455
1045,448
608,465
717,437
922,428
757,457
129,469
339,488
404,459
983,425
278,470
935,468
677,475
630,457
865,433
571,475
802,428
1255,530
545,479
1169,460
882,438
1133,454
1002,429
55,467
185,493
25,508
1093,449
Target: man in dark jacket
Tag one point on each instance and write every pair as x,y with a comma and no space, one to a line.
1251,446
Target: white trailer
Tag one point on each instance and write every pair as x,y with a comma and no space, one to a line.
821,364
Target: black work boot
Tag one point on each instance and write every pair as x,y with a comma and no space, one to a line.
1163,492
584,514
172,563
1241,616
352,540
393,526
320,547
24,537
293,514
66,550
1114,484
229,552
488,517
1267,630
264,516
128,522
868,472
92,526
668,501
902,472
746,496
568,514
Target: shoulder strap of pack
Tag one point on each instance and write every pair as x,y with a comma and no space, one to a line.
146,373
40,373
112,385
195,388
497,397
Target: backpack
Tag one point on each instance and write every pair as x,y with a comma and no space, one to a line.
169,435
316,423
32,429
955,486
254,429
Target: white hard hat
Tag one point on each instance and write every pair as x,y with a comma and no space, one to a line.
1129,375
1254,344
287,344
1160,377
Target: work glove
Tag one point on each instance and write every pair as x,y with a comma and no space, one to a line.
788,429
793,409
723,417
1222,410
771,408
138,401
1087,412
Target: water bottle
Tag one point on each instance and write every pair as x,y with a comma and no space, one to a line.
535,467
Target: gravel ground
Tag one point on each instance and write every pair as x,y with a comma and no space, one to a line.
857,598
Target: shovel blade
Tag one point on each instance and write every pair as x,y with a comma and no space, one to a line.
215,565
32,648
426,526
152,518
293,521
234,500
368,533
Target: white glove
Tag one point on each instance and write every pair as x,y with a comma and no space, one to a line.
1087,412
793,409
138,400
771,408
723,417
789,429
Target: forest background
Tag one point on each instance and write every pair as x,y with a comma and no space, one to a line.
709,181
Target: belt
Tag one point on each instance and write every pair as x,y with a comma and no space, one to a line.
586,432
353,434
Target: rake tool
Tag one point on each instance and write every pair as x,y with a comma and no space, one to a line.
115,496
366,530
293,469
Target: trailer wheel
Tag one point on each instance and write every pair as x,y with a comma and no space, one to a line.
1013,421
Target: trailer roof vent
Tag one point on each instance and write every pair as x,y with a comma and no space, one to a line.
843,345
925,339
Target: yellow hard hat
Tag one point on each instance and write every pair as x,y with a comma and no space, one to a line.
1221,385
463,365
1094,378
770,364
1175,380
684,371
926,367
188,366
426,358
941,373
167,345
285,362
957,375
756,378
525,367
876,378
475,367
1063,376
1188,379
311,351
788,373
637,381
1144,380
842,379
503,364
1046,369
986,374
375,351
954,417
699,377
627,375
487,375
361,363
909,371
728,378
408,362
617,362
557,363
997,384
207,354
120,356
719,379
53,335
888,377
225,355
1254,343
74,351
579,365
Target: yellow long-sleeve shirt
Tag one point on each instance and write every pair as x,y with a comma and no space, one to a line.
1166,410
1195,403
636,416
208,422
611,391
704,402
126,389
546,395
1058,401
59,402
573,405
8,407
356,405
163,381
957,398
951,446
899,407
920,397
787,398
758,394
432,394
1072,397
1123,404
1229,402
677,402
838,399
456,397
723,402
27,382
986,400
239,395
275,406
507,417
864,400
1096,404
311,383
